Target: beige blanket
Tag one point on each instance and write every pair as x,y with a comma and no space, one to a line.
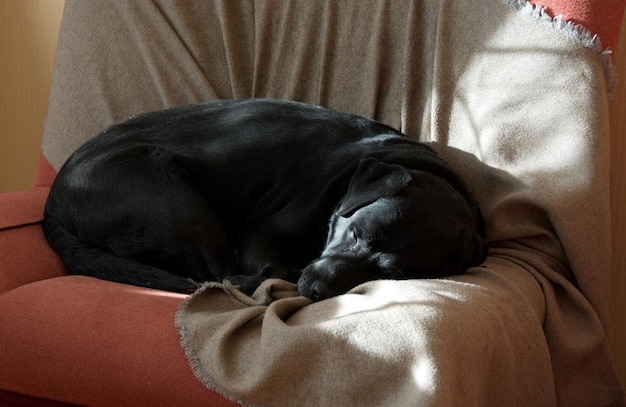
516,103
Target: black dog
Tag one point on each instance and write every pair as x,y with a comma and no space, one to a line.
245,190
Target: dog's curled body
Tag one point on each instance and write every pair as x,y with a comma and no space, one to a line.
258,188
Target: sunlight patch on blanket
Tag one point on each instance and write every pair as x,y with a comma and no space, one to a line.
423,375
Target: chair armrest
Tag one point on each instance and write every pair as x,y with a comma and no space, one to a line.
25,255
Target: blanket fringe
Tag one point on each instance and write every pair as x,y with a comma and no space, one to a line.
195,363
575,31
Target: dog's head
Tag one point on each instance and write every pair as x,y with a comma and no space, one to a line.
395,223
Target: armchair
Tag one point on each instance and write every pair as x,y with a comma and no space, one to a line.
514,99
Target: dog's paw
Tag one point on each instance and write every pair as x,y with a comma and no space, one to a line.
246,284
281,271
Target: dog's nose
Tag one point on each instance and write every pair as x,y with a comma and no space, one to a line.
317,283
327,277
319,291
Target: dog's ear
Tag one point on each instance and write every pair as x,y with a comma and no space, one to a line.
372,179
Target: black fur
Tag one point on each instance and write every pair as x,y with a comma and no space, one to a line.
259,188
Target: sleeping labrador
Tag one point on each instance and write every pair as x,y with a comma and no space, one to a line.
257,188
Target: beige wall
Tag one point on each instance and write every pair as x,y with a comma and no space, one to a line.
28,36
618,205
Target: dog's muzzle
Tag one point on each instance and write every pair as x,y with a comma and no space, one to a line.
334,275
